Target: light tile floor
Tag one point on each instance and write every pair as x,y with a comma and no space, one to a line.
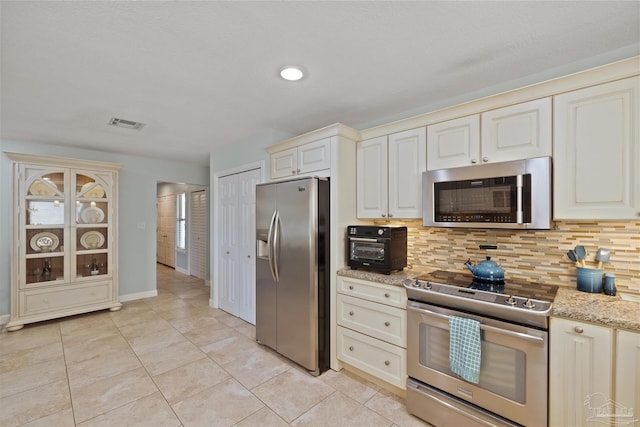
171,361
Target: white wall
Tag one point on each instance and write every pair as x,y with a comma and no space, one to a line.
139,177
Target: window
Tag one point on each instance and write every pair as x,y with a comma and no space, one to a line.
181,221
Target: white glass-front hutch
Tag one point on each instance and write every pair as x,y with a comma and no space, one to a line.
64,253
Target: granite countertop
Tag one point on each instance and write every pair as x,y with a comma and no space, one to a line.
569,303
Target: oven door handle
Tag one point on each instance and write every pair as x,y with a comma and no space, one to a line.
482,326
363,239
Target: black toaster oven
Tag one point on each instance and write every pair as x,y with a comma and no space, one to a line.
381,249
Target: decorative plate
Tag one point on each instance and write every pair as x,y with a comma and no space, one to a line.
39,188
96,192
92,215
92,239
44,242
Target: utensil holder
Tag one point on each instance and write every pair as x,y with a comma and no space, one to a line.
589,279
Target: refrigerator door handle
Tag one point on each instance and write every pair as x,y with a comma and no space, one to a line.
276,245
270,245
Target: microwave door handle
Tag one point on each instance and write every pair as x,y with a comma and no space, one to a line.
519,186
363,239
482,326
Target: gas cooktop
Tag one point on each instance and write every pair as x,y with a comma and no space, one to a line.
517,301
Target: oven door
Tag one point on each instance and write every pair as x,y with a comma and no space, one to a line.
367,251
513,370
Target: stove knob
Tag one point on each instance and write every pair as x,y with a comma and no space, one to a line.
529,304
416,284
427,286
511,301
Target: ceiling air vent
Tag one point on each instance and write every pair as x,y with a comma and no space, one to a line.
127,124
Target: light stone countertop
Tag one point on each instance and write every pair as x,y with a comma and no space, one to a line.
569,303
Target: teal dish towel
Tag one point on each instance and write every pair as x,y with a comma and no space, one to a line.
465,348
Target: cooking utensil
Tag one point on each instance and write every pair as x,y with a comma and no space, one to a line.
602,255
571,254
486,270
581,254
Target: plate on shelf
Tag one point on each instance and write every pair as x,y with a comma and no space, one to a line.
92,239
44,242
39,188
92,215
96,192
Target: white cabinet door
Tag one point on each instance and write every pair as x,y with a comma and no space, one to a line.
520,131
284,163
596,152
407,160
453,143
314,156
580,372
371,181
627,395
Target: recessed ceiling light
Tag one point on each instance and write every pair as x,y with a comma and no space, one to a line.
291,73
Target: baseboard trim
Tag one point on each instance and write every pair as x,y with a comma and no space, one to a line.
182,270
4,319
138,295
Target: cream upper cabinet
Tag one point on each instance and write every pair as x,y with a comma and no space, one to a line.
580,373
64,254
389,173
301,160
627,397
519,131
453,143
596,152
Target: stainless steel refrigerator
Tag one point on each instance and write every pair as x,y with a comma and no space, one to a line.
292,303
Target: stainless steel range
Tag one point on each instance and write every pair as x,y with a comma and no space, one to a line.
513,321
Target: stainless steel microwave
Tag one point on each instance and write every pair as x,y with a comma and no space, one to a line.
515,194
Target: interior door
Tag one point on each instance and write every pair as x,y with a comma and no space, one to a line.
228,243
166,230
198,234
247,240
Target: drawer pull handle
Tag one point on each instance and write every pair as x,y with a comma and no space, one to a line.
350,348
386,295
351,287
387,323
578,329
351,313
387,363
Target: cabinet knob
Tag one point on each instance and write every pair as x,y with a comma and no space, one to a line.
350,348
351,313
578,329
293,172
386,295
387,323
485,159
474,161
297,170
387,363
390,215
383,215
351,287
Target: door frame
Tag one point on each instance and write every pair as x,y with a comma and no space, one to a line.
214,300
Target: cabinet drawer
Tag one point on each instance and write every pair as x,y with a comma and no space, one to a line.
377,358
372,291
39,301
377,320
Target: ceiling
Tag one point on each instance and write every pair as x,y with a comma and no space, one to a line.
204,74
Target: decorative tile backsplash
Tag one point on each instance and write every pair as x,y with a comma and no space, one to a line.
532,255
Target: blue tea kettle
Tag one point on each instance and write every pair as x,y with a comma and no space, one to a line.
486,270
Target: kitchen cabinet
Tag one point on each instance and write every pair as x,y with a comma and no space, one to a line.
389,175
596,152
371,334
301,160
580,372
64,255
627,393
515,132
